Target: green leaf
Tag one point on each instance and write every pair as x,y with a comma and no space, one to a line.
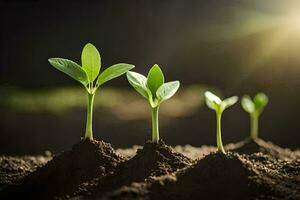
113,72
138,82
167,90
155,79
70,68
212,101
229,102
91,61
260,101
248,104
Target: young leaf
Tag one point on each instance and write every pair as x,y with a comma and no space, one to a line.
254,108
113,72
138,82
260,101
229,102
167,90
212,101
91,61
155,79
248,104
70,68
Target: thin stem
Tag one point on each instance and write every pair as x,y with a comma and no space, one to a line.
155,129
219,136
254,125
89,117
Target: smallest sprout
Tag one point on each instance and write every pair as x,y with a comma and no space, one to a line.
254,108
216,104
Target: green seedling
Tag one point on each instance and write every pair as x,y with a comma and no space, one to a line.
254,107
88,74
216,104
155,90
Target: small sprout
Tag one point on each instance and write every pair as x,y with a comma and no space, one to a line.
215,103
88,76
254,108
155,90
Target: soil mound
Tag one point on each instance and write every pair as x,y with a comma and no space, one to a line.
150,161
250,146
62,175
155,160
218,176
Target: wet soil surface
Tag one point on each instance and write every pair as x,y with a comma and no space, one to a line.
93,170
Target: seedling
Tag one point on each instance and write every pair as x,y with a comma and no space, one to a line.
88,75
155,90
254,107
215,103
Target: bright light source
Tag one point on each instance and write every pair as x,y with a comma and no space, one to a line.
291,22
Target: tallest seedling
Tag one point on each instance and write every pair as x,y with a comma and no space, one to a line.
155,90
88,75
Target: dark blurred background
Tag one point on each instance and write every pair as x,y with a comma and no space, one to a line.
230,47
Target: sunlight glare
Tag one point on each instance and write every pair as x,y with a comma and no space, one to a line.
292,22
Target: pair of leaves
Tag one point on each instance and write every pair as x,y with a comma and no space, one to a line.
91,64
215,103
256,105
153,87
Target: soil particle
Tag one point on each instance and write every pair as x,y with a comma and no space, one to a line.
150,161
249,146
62,175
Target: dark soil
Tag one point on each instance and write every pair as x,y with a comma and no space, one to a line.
250,146
218,176
152,160
13,169
252,169
62,175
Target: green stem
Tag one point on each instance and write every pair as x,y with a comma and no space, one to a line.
254,125
155,129
219,137
89,117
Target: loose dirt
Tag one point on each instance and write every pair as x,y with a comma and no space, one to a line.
62,175
251,169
